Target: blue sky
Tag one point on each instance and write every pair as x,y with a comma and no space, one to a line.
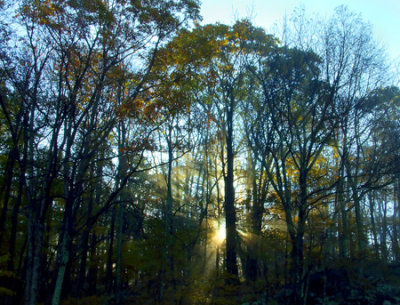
384,15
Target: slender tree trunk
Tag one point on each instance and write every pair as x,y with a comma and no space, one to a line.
92,273
344,240
299,241
6,188
230,212
14,225
63,252
109,265
34,228
396,220
122,171
118,252
256,213
168,258
371,198
64,235
353,177
35,232
219,204
383,231
361,238
93,268
286,263
81,282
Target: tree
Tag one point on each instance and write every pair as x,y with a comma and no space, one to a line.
84,49
295,125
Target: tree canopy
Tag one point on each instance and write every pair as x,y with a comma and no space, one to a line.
146,158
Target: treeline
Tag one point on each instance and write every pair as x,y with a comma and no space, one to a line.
148,159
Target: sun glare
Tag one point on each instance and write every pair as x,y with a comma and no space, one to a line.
220,233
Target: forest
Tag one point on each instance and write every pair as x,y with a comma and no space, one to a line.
147,158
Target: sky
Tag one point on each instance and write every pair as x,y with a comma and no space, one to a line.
383,15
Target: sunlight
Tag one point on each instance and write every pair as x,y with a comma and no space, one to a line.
220,233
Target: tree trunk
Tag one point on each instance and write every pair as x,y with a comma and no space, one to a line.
383,229
81,282
340,203
122,171
92,273
259,192
298,247
168,258
230,212
361,238
109,265
395,221
14,225
35,238
63,252
6,188
371,198
118,252
34,226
